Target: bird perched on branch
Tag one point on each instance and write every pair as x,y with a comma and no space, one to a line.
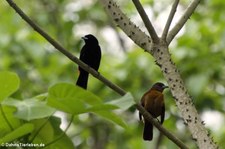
91,55
153,102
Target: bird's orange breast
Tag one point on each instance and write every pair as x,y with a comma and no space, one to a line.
153,102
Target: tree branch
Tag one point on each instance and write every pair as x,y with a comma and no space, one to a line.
92,71
169,20
187,14
64,51
163,59
146,21
129,28
183,99
149,117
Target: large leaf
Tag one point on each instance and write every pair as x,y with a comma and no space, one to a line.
8,120
75,100
124,102
64,142
9,83
44,131
17,133
50,131
30,109
101,107
110,116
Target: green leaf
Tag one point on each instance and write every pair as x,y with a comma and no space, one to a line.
50,130
124,102
9,83
75,100
17,133
65,142
110,116
46,133
102,107
13,121
30,109
71,99
42,97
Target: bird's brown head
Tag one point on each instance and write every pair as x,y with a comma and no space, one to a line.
90,39
159,86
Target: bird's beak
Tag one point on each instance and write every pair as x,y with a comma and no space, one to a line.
84,38
165,87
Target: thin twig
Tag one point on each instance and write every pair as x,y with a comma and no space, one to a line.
64,133
39,129
170,18
129,27
187,14
85,67
146,21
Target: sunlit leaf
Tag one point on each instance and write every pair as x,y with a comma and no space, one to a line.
17,133
102,107
7,118
110,116
29,109
9,83
124,102
65,142
46,133
71,99
75,100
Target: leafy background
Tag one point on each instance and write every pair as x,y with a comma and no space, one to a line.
198,53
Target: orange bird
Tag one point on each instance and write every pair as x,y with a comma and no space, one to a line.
153,102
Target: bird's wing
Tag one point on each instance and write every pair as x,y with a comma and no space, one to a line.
96,62
140,116
163,113
162,106
142,103
82,52
82,56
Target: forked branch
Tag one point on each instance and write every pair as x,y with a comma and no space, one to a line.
146,21
183,19
170,19
93,72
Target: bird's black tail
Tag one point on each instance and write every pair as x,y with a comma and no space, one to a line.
148,131
82,79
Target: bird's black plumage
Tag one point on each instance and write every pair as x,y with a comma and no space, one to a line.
91,55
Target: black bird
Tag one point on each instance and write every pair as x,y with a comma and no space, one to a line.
91,55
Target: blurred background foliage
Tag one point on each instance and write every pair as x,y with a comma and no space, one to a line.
198,53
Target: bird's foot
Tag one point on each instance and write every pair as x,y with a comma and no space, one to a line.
157,120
